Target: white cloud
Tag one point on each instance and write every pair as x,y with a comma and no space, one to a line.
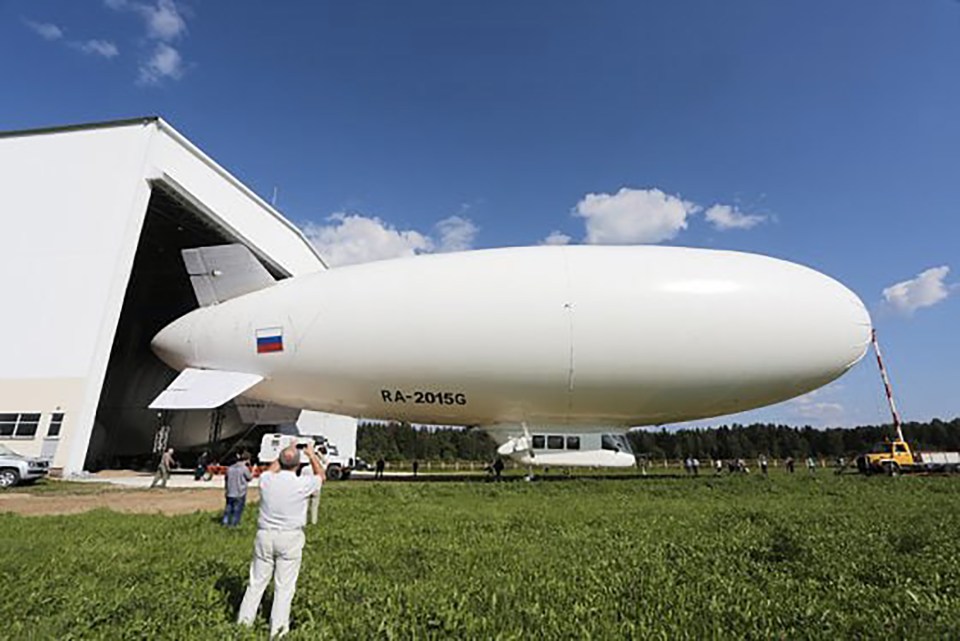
456,234
46,30
164,21
633,216
647,216
162,18
925,290
165,62
50,31
556,238
353,238
103,48
818,409
724,217
814,406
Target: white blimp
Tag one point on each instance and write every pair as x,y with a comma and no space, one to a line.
522,342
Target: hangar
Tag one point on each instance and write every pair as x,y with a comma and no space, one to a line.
93,220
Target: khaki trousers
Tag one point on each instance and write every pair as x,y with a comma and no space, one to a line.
276,553
161,476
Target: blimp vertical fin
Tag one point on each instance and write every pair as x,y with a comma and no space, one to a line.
222,272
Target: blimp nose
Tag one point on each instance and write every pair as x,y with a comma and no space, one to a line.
174,345
857,326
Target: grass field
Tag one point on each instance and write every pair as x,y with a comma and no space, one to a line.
656,558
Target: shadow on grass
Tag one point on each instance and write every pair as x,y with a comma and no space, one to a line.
232,587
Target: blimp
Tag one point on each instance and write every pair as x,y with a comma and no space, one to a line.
556,351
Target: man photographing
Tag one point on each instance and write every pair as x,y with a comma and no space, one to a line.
278,547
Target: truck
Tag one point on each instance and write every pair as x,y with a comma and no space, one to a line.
16,468
896,456
340,435
336,466
332,434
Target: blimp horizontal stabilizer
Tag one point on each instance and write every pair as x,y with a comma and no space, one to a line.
203,389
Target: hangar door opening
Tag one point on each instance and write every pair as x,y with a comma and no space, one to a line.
158,292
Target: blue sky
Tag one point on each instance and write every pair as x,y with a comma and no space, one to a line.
822,132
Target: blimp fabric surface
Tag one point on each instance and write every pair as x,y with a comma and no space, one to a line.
619,335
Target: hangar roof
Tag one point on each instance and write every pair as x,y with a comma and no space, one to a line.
169,185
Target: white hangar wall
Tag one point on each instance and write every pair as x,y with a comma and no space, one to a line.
73,204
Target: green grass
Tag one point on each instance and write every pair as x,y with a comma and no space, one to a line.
50,486
658,558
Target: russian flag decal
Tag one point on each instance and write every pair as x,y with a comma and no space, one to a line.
269,340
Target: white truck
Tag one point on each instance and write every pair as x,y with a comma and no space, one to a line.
335,434
16,468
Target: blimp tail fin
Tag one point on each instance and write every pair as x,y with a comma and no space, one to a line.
203,389
222,272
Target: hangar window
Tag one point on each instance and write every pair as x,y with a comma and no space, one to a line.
538,441
56,421
555,442
19,425
573,442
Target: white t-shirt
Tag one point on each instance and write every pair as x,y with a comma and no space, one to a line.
283,499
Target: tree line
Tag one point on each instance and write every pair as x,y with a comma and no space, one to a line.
780,441
402,441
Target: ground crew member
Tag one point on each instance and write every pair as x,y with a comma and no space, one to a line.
163,470
278,548
201,469
237,478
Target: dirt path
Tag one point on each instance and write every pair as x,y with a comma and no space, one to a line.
119,500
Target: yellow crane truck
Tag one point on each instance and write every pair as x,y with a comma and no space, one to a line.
894,457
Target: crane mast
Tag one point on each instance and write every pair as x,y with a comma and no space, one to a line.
897,424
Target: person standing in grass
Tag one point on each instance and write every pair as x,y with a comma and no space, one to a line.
841,464
162,474
498,468
237,478
789,464
763,464
278,547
